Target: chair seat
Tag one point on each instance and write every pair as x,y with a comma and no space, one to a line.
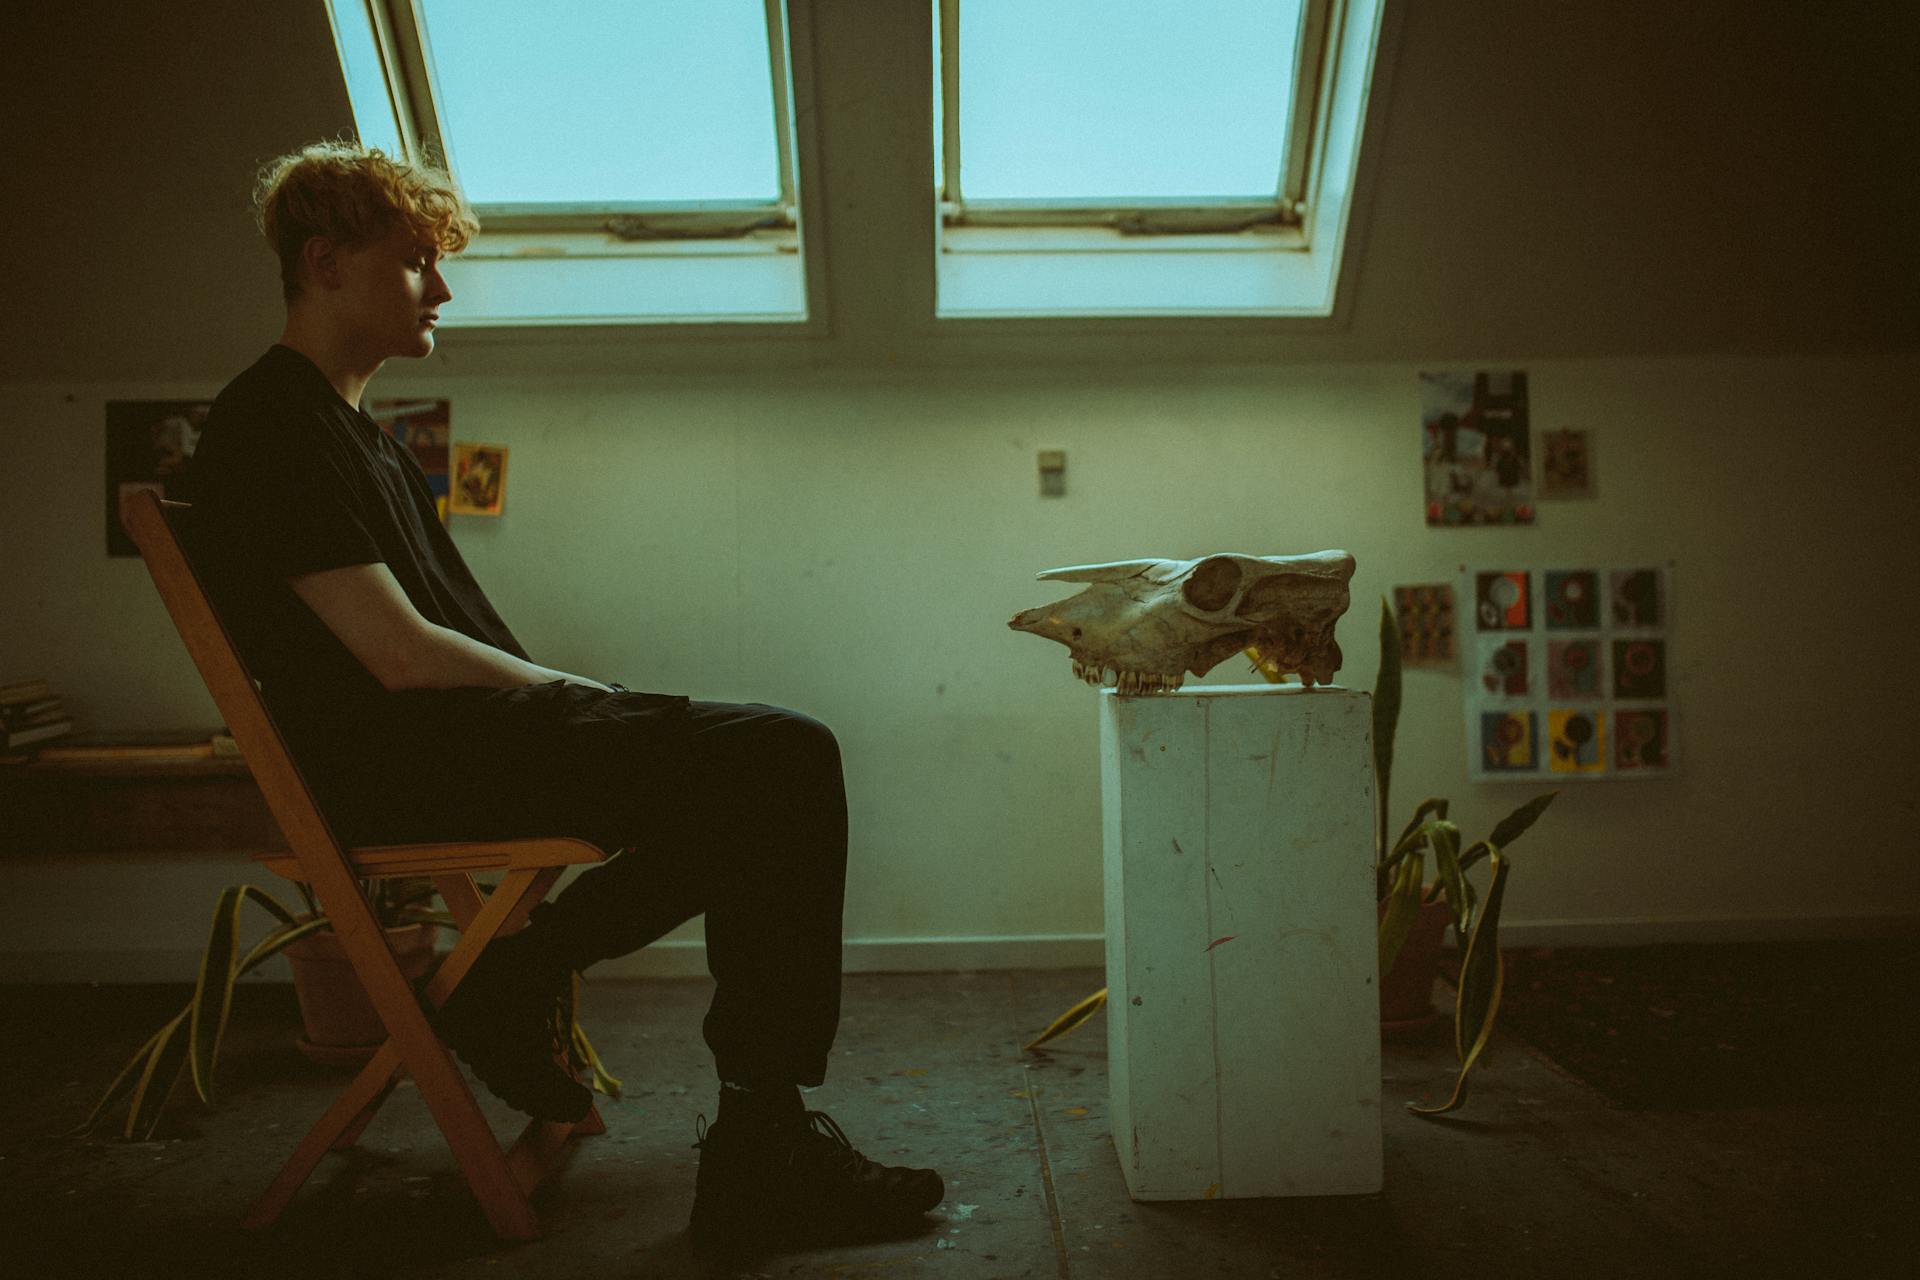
374,862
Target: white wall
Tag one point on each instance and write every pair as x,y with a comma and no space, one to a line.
844,524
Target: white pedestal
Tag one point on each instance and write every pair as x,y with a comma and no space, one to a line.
1251,1068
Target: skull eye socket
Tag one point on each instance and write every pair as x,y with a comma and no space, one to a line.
1212,584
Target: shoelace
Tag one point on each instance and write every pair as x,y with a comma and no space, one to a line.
817,1122
846,1156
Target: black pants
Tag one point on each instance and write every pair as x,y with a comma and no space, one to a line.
734,810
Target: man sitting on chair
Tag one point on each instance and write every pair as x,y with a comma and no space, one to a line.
415,715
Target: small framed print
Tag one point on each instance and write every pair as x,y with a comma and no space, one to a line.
1566,465
1424,613
479,480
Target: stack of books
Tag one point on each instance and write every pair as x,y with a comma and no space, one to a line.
30,711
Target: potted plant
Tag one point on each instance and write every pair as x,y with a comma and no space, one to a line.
1414,913
340,1025
1413,909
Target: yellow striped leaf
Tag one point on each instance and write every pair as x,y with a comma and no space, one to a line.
1070,1019
213,990
164,1065
1403,908
1477,1003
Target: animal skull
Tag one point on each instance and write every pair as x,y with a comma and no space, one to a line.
1145,623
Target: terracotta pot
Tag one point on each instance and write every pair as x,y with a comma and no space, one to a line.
1406,993
341,1027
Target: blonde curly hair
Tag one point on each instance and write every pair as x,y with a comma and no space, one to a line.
353,195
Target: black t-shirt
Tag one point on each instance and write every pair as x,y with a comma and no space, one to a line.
289,479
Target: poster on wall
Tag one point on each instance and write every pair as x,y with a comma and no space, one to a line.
479,480
1567,671
150,445
1566,465
1424,614
423,428
1475,448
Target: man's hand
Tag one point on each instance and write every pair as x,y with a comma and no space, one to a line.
364,606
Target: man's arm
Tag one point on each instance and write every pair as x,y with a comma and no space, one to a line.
364,606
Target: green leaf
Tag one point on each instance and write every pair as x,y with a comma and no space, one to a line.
213,988
1434,805
1477,1003
1403,908
280,939
271,903
1509,828
164,1065
1386,713
1446,866
1070,1019
128,1077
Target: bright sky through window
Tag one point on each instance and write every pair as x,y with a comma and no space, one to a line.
606,100
366,81
1099,99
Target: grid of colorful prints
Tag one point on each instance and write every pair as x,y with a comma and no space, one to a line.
1567,672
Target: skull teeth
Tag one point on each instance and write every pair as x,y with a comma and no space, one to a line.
1136,682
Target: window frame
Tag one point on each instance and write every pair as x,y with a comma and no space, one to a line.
413,90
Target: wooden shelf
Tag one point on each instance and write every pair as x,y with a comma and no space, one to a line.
77,797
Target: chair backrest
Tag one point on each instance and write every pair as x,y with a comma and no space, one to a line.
150,521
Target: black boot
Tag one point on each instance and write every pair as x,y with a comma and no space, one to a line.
508,1019
772,1172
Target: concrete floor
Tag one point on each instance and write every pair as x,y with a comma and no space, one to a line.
1539,1176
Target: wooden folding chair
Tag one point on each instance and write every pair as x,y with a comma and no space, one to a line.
501,1180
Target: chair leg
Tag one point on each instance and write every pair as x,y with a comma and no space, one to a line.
358,1125
357,1100
445,1091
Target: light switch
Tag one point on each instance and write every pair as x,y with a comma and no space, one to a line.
1053,473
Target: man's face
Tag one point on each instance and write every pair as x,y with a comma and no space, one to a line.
391,294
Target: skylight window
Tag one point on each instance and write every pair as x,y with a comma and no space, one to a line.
1141,158
606,102
630,162
1117,100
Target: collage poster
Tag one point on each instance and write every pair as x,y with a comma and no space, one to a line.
1475,448
1567,672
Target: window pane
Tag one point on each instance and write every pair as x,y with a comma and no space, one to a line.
1099,99
606,100
366,79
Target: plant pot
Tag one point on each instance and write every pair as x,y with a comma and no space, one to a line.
1406,992
341,1028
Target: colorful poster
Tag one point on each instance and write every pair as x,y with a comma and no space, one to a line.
424,428
1504,667
150,445
1572,599
479,485
1475,448
1573,669
1506,742
1566,465
1567,672
1640,739
1637,596
1576,741
1639,669
1424,614
1502,602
